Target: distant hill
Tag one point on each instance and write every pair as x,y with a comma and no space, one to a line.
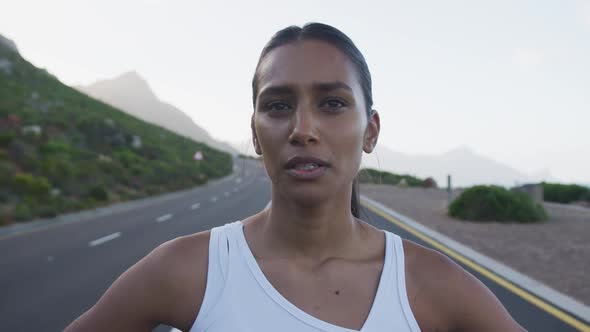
61,150
132,94
8,43
464,165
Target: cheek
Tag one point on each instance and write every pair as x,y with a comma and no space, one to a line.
270,134
270,138
346,142
348,134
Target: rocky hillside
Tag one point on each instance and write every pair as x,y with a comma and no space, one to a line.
61,150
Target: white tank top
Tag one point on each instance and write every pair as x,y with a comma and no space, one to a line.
238,297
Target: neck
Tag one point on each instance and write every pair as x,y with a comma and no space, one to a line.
313,232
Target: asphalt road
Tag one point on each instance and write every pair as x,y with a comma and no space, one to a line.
50,276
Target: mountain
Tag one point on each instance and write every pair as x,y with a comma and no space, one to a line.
132,94
464,165
61,150
8,44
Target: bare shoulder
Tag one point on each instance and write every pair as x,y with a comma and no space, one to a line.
443,295
166,286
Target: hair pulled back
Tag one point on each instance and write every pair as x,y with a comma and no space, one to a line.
335,37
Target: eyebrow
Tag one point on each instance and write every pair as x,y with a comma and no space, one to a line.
288,89
330,86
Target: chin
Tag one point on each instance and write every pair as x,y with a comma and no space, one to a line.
308,195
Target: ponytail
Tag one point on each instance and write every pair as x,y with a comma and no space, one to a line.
355,203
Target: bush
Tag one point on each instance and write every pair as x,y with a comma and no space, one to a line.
27,184
98,193
6,138
494,203
7,171
47,211
22,212
565,193
55,146
127,157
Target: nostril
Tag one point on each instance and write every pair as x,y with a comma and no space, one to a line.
298,138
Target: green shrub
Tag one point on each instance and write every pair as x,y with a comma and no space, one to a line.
47,211
6,138
127,157
564,193
98,193
7,171
27,184
57,169
22,212
494,203
55,146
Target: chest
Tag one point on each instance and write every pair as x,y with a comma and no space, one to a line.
340,293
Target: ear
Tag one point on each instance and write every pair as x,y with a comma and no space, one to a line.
372,132
255,137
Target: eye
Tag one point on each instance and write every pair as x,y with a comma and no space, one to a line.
276,106
334,103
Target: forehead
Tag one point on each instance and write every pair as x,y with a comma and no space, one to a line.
305,62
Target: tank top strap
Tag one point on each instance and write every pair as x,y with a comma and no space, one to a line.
217,273
400,267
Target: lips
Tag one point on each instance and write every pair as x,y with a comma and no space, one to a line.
299,161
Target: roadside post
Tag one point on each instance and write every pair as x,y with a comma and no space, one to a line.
449,191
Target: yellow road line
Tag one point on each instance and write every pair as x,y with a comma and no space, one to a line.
558,313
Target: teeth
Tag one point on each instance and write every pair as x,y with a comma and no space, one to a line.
306,166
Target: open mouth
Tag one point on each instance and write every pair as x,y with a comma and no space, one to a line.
307,171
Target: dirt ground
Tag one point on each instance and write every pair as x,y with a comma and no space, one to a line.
555,252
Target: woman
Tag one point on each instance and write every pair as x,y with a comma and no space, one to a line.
307,263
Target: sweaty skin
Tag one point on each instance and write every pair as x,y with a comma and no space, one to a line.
309,103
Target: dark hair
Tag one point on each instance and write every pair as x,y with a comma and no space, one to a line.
337,38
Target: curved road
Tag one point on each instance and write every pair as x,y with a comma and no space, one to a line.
51,275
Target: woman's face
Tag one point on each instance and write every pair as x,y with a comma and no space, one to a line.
310,105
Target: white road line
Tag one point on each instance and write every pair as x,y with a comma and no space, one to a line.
195,206
214,199
104,239
226,194
175,330
236,190
164,218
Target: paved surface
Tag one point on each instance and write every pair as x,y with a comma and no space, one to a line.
555,252
50,276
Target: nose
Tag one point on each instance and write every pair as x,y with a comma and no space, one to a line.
304,131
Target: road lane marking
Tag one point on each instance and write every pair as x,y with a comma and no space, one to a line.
164,218
104,239
226,194
195,206
214,199
236,190
537,301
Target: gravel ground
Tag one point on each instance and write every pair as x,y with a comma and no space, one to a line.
556,252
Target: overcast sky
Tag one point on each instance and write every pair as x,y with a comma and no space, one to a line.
508,78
